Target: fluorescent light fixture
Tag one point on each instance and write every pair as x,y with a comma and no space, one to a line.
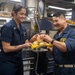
68,17
59,8
69,13
16,0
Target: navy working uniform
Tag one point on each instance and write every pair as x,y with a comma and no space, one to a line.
11,62
65,61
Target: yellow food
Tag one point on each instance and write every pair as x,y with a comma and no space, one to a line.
39,43
34,46
49,45
39,39
35,42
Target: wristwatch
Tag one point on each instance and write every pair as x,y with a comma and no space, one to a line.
52,41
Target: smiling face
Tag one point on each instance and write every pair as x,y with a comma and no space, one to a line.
59,22
20,15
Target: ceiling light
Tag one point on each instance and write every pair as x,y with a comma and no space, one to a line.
68,13
59,8
16,0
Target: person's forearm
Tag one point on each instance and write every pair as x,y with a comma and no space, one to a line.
60,45
13,48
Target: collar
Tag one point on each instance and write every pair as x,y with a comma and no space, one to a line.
15,25
66,30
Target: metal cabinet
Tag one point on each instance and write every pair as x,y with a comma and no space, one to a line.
37,62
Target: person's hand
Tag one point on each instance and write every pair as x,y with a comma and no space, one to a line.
27,45
46,38
34,38
27,41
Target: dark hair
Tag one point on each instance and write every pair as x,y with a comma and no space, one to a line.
59,13
17,7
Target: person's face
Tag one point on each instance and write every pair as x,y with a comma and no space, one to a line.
58,22
20,16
